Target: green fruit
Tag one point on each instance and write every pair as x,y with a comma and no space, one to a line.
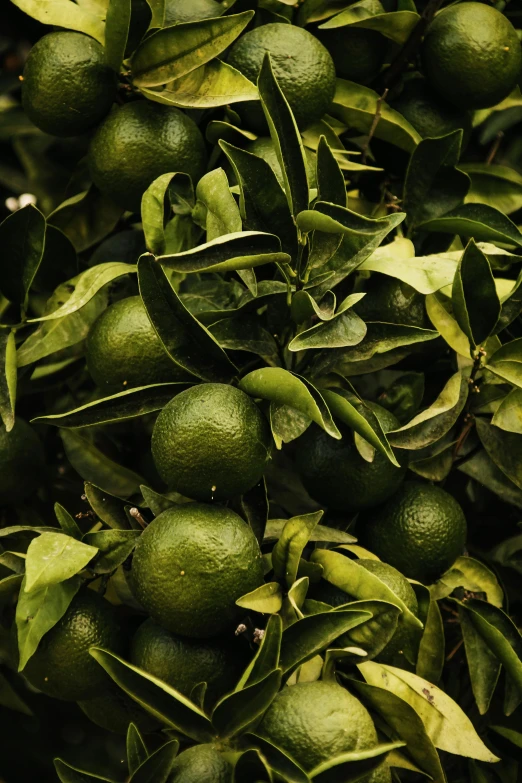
177,11
471,55
358,54
420,531
61,666
137,143
67,86
211,442
190,566
315,721
201,764
184,663
301,64
264,148
431,115
335,474
124,351
113,710
22,462
392,301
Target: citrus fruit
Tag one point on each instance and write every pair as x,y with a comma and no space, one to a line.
302,66
67,86
201,763
177,11
61,666
316,721
430,115
402,638
190,566
137,143
335,474
211,442
420,531
113,710
391,301
264,148
123,350
184,663
471,55
357,53
22,462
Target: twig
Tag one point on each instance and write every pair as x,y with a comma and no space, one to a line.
494,148
455,650
375,122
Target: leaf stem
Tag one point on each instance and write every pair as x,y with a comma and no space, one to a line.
375,122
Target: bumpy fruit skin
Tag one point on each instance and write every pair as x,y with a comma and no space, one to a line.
190,566
22,462
177,11
302,66
184,663
137,143
420,531
67,87
431,115
211,442
199,764
61,666
357,53
471,55
335,474
123,350
113,710
315,721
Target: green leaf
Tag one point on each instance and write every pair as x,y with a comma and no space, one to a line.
114,547
67,522
506,362
286,138
372,635
64,13
504,448
344,407
433,185
9,698
252,765
187,341
406,724
253,507
286,388
213,84
427,274
357,581
279,762
153,208
266,599
397,25
8,378
510,305
226,253
508,415
432,424
136,748
54,558
86,218
500,634
266,659
483,665
496,186
431,653
311,635
222,213
286,423
168,705
107,507
117,24
357,105
86,285
22,238
68,774
156,768
479,221
275,527
331,186
289,548
176,51
472,575
96,468
238,710
481,468
349,767
444,721
39,611
476,305
119,407
344,329
263,203
447,326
